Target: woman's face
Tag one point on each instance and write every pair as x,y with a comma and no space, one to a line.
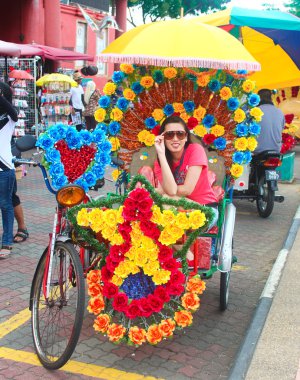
175,142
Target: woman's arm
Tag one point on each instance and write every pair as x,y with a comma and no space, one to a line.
190,182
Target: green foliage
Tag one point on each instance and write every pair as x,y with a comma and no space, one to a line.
293,7
155,10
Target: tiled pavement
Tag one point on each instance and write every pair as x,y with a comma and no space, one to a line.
204,351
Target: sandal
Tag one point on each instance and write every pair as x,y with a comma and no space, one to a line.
5,251
22,235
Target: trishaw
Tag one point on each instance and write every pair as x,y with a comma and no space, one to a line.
140,290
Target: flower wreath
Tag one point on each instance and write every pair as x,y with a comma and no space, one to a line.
141,282
219,106
74,157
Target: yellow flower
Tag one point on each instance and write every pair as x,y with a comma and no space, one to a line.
170,72
131,253
158,114
168,217
109,88
182,221
117,280
115,143
108,232
197,219
127,69
128,94
116,114
117,239
184,116
100,114
178,107
156,216
241,143
252,143
203,80
115,174
199,113
110,217
96,216
123,269
225,93
239,115
161,277
257,113
217,130
248,85
165,238
149,139
174,231
200,130
140,258
150,268
82,218
120,218
147,81
236,170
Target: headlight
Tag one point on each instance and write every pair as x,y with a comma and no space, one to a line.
70,195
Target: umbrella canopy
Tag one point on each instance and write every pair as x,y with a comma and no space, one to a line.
9,49
55,78
272,37
20,74
53,53
180,43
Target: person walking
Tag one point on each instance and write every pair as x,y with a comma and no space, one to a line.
8,119
91,97
77,101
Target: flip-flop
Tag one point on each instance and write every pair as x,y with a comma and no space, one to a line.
21,233
5,251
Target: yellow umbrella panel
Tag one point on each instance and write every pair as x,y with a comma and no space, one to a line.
55,77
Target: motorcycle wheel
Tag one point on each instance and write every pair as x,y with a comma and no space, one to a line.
265,200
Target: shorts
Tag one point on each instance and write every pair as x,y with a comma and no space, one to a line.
15,199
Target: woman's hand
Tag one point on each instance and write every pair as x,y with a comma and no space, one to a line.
159,143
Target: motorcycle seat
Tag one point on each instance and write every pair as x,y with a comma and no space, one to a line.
265,154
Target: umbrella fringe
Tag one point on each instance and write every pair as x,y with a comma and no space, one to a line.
180,62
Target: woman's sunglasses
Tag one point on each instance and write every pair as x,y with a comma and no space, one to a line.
169,135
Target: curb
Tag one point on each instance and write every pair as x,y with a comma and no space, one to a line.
244,356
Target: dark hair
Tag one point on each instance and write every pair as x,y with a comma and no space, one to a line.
175,119
6,91
265,96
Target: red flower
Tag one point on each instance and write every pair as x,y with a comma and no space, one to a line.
192,123
145,205
115,254
145,307
155,303
125,229
289,118
175,290
106,274
161,293
133,310
209,138
120,302
177,278
156,130
170,265
150,229
110,290
165,253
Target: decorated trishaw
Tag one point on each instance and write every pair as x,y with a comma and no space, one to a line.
140,290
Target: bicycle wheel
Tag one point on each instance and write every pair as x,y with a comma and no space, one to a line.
57,320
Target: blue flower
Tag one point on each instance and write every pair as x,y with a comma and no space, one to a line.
86,137
254,129
98,136
158,76
102,158
247,157
56,169
233,104
150,122
137,88
118,76
62,130
208,121
59,181
253,100
238,157
52,155
81,182
189,106
105,146
214,85
102,127
53,132
74,141
104,101
45,142
241,130
114,128
229,80
90,178
168,109
220,143
122,103
242,71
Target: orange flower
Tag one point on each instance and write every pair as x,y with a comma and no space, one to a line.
127,69
128,94
95,290
167,326
101,323
170,72
115,332
203,80
94,276
225,93
195,285
178,107
137,335
147,81
154,334
116,114
96,305
199,113
183,318
190,301
158,114
184,116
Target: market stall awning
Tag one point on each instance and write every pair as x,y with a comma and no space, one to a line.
9,49
54,53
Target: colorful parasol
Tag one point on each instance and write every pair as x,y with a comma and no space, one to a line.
180,43
55,77
272,37
20,74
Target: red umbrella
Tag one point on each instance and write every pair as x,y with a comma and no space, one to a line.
20,74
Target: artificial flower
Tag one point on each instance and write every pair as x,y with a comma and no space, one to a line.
167,327
195,285
241,143
200,130
158,114
115,332
178,107
199,113
203,80
147,81
252,143
217,130
109,88
115,143
126,68
137,335
248,85
190,301
236,170
154,334
116,114
257,113
225,93
96,304
129,94
183,318
100,114
170,72
239,115
101,323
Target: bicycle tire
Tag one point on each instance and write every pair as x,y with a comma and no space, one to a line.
56,323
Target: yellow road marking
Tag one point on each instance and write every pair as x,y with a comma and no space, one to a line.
236,267
74,367
14,322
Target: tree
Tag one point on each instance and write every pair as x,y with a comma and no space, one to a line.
270,7
293,7
155,10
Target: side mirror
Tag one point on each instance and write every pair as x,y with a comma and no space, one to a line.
25,143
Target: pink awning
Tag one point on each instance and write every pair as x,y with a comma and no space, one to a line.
9,49
53,53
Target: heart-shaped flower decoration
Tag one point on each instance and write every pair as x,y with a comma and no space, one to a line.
74,157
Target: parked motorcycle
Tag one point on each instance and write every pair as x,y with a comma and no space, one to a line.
259,182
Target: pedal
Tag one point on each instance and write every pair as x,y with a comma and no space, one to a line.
279,198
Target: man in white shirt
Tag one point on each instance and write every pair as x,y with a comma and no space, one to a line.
77,101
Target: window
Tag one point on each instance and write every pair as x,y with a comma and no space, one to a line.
101,43
81,41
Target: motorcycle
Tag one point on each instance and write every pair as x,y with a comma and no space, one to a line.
259,182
